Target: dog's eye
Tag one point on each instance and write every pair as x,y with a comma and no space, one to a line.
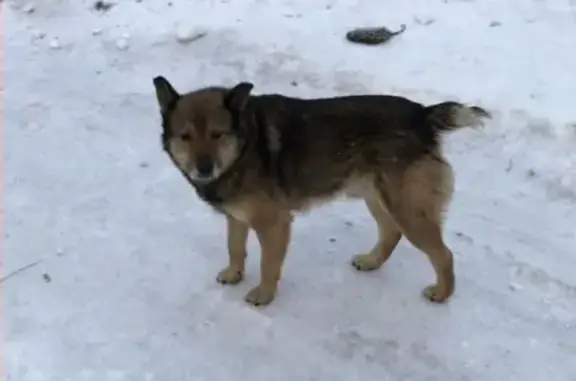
216,135
186,137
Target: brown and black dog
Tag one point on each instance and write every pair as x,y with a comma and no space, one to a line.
259,159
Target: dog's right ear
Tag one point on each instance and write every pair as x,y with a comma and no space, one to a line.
165,93
237,98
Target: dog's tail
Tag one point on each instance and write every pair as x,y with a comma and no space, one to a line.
450,116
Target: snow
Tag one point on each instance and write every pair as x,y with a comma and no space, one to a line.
109,259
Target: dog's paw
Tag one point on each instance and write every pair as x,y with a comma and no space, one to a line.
436,294
230,276
366,262
260,296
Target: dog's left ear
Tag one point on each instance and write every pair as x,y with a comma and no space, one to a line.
165,93
237,98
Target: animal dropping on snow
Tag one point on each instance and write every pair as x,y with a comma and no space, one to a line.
373,35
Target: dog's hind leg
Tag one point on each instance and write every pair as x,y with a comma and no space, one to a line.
388,236
417,200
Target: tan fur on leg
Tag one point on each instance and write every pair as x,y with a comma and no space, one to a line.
274,238
417,198
388,237
237,237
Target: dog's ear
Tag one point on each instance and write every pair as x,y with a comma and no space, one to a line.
237,98
165,93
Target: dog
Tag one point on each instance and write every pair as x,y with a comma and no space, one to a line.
261,159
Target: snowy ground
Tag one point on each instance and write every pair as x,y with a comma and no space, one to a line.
109,259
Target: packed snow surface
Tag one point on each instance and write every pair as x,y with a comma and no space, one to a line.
109,259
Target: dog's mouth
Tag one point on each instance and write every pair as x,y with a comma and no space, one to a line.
200,181
200,178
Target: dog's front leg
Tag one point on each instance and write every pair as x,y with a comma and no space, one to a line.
237,237
274,237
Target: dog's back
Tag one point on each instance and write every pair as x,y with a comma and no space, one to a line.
321,143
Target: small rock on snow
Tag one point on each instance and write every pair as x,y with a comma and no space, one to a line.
122,43
97,32
103,6
38,35
186,34
55,44
28,8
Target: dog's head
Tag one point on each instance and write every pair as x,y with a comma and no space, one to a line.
203,130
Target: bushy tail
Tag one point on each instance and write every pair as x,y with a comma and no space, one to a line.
450,116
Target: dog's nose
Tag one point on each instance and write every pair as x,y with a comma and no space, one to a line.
204,166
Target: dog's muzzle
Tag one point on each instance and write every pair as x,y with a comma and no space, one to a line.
204,167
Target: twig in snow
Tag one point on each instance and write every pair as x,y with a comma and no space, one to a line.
20,270
510,165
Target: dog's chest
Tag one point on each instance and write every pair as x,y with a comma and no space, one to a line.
210,195
358,187
237,212
214,197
